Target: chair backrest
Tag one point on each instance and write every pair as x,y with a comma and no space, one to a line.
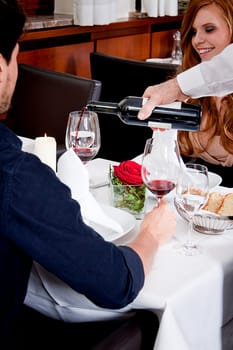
121,77
43,99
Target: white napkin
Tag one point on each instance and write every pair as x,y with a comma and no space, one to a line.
92,12
52,297
105,11
98,170
83,12
162,6
151,7
28,144
171,8
72,172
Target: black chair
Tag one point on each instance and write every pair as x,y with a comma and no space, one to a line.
43,99
121,77
136,332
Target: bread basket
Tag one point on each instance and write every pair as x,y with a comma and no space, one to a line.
206,222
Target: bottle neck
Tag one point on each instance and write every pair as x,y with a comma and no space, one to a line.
103,107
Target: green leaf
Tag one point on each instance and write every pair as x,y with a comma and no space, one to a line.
131,197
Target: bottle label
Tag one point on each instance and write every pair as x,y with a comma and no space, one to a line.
159,125
173,105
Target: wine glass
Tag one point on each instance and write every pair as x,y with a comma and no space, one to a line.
83,134
160,164
191,194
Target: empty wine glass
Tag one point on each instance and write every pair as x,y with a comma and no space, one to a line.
83,134
160,164
191,194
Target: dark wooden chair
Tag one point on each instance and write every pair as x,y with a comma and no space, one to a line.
121,77
43,99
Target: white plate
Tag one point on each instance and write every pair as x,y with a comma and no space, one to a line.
159,60
126,220
214,180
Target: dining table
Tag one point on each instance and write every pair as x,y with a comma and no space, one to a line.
191,295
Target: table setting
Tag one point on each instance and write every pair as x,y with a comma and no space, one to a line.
192,295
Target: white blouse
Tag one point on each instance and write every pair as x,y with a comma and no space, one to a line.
210,78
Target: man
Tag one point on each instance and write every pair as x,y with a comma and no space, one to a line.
210,78
40,221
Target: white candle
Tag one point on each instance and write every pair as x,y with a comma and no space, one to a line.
46,149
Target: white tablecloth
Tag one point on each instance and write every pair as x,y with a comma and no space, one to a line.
191,294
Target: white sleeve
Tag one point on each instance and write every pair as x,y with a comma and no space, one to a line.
210,78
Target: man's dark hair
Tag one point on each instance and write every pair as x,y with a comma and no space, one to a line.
12,20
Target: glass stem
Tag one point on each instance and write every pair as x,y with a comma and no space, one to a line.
189,242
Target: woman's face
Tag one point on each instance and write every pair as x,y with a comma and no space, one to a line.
210,32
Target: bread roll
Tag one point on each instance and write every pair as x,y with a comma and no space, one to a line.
226,209
221,204
214,202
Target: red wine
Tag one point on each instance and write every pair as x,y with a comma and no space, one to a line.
187,117
160,187
85,153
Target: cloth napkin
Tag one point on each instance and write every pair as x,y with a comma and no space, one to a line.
72,172
49,295
98,170
94,12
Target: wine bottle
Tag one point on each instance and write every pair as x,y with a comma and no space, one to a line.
177,115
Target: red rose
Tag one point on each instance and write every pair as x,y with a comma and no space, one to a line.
129,172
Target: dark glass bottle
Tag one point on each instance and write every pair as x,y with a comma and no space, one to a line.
179,115
176,53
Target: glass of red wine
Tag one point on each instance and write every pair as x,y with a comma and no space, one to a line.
83,134
161,166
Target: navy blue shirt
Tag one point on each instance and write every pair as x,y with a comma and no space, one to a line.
40,221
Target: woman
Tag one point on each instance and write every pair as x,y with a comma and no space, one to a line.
206,30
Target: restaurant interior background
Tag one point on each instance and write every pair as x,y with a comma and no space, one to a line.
52,41
47,7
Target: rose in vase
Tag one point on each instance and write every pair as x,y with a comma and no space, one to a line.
128,190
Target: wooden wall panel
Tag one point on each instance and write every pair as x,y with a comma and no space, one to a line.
67,48
72,59
131,46
162,43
